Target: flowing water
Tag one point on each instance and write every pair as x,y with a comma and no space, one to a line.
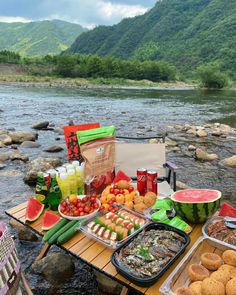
134,112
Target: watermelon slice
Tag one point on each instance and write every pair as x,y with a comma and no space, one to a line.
49,220
196,205
120,175
227,210
33,210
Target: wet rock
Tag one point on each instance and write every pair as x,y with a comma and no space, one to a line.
217,132
170,142
4,157
5,139
191,147
204,156
201,133
207,125
175,149
14,146
191,131
59,130
71,123
179,127
225,128
200,127
41,125
217,124
1,111
53,149
230,162
141,127
2,145
56,268
40,164
3,131
11,173
153,140
2,166
29,144
25,234
182,185
21,136
19,156
107,285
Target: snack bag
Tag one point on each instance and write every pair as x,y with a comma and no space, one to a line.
72,142
97,148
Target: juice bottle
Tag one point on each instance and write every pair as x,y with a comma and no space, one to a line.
80,179
59,171
72,181
54,196
75,164
64,185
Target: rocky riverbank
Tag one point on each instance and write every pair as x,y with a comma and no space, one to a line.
206,156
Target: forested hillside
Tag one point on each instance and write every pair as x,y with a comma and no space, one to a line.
38,38
186,33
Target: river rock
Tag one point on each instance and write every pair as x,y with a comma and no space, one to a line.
40,164
153,140
2,166
29,144
181,185
19,156
230,162
201,133
204,156
2,145
59,130
2,131
25,234
107,285
4,157
225,128
53,149
191,131
5,139
217,124
191,147
170,142
21,136
217,132
56,268
40,125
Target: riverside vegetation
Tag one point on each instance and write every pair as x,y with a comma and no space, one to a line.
103,70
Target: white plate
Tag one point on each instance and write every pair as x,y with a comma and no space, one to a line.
84,217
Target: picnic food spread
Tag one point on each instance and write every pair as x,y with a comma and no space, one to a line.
147,232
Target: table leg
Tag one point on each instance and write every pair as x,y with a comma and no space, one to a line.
43,252
124,291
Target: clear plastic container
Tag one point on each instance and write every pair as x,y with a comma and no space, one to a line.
210,221
179,277
110,244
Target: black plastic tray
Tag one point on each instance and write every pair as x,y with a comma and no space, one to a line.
144,282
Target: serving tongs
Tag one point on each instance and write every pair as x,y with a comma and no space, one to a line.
230,222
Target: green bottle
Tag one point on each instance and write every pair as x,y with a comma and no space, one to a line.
41,190
54,195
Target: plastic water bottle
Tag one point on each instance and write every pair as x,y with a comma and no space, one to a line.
72,181
64,185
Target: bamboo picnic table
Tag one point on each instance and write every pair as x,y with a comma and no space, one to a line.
97,255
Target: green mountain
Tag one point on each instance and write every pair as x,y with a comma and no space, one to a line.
38,38
186,33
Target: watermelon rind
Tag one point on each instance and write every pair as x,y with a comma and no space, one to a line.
49,220
197,212
33,210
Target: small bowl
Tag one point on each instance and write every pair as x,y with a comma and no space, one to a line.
84,217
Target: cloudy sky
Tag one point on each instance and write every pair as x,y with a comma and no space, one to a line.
86,12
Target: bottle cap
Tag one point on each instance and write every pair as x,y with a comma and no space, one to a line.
80,169
52,172
69,167
61,169
71,172
63,176
75,163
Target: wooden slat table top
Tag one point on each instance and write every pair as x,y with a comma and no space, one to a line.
97,255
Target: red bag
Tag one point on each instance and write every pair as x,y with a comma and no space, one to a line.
72,142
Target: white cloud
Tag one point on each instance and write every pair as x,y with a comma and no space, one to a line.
13,19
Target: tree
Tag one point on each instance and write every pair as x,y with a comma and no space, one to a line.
211,77
65,66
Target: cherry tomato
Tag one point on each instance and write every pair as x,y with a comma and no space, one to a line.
109,209
113,199
63,203
93,200
122,191
82,205
94,195
80,209
76,212
116,191
75,202
131,189
86,209
85,200
95,206
112,190
115,186
102,208
113,210
81,214
63,209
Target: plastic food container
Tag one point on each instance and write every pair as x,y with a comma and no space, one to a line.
110,244
179,277
204,229
150,280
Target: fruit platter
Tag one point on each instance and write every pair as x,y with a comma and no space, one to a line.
125,194
79,207
112,229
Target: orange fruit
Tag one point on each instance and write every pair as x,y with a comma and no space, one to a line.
126,191
129,205
103,199
129,198
106,190
120,199
72,198
133,193
110,196
106,206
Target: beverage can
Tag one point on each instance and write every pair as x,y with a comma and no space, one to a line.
142,181
152,181
47,179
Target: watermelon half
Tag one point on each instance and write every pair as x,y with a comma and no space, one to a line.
33,210
49,220
196,205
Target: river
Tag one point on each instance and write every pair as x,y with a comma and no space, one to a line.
133,112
